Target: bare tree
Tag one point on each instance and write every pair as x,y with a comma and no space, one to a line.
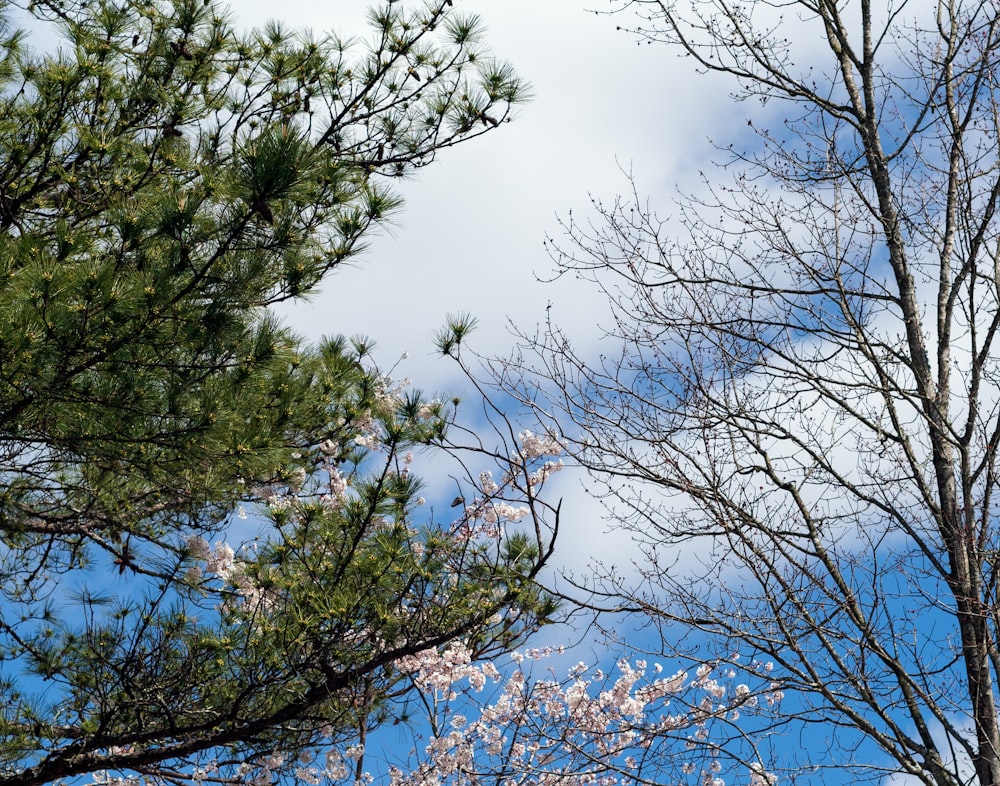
807,382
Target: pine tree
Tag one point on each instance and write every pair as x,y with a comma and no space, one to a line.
163,181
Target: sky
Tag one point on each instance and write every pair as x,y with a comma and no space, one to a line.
469,237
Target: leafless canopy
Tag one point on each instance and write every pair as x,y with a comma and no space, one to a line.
805,379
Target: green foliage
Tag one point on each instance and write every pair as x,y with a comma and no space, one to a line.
163,180
450,337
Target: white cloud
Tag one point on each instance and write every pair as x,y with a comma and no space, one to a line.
470,235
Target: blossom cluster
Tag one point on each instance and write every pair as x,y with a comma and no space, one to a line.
493,506
221,561
535,445
441,672
588,728
485,725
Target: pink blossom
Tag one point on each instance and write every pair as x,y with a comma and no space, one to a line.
337,484
220,561
535,445
198,547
